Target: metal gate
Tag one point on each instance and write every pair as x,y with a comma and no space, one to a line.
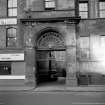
50,65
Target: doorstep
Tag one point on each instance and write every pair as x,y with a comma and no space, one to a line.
71,89
54,88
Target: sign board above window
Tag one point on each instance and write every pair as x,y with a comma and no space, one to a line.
8,21
12,57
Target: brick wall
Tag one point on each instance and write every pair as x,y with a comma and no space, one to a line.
38,5
3,8
2,37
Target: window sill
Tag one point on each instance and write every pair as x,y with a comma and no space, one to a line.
90,60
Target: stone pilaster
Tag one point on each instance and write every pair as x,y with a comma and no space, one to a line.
71,79
30,66
29,56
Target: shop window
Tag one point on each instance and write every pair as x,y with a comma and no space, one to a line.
84,48
83,9
49,4
12,7
11,37
5,69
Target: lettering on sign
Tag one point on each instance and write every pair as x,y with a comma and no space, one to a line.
12,57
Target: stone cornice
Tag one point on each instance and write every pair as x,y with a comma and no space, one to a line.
70,20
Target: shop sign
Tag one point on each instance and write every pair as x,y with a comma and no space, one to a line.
12,57
12,77
8,21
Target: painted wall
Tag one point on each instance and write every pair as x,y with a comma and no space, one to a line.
18,68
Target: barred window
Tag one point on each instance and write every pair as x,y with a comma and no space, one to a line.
102,8
11,37
49,4
12,7
83,9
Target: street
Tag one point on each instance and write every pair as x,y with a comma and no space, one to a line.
51,98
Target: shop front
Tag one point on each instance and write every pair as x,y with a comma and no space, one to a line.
12,67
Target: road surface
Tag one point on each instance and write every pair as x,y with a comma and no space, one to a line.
51,98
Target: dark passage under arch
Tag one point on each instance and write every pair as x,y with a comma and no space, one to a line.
50,58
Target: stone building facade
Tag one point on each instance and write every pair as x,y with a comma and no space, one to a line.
61,38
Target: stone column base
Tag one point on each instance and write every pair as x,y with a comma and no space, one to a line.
30,83
71,82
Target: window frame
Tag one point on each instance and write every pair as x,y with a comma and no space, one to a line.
12,8
83,49
7,67
100,10
10,37
50,8
84,2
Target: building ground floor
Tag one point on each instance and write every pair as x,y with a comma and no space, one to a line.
53,53
46,67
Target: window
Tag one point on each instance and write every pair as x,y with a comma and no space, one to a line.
11,37
12,7
84,47
5,68
102,8
49,4
83,9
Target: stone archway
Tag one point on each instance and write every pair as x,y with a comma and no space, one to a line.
50,39
50,56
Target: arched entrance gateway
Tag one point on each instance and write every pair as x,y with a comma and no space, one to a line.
50,58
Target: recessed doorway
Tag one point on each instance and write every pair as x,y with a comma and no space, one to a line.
50,59
51,67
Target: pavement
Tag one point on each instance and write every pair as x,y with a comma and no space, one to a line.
48,88
51,98
53,86
72,89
